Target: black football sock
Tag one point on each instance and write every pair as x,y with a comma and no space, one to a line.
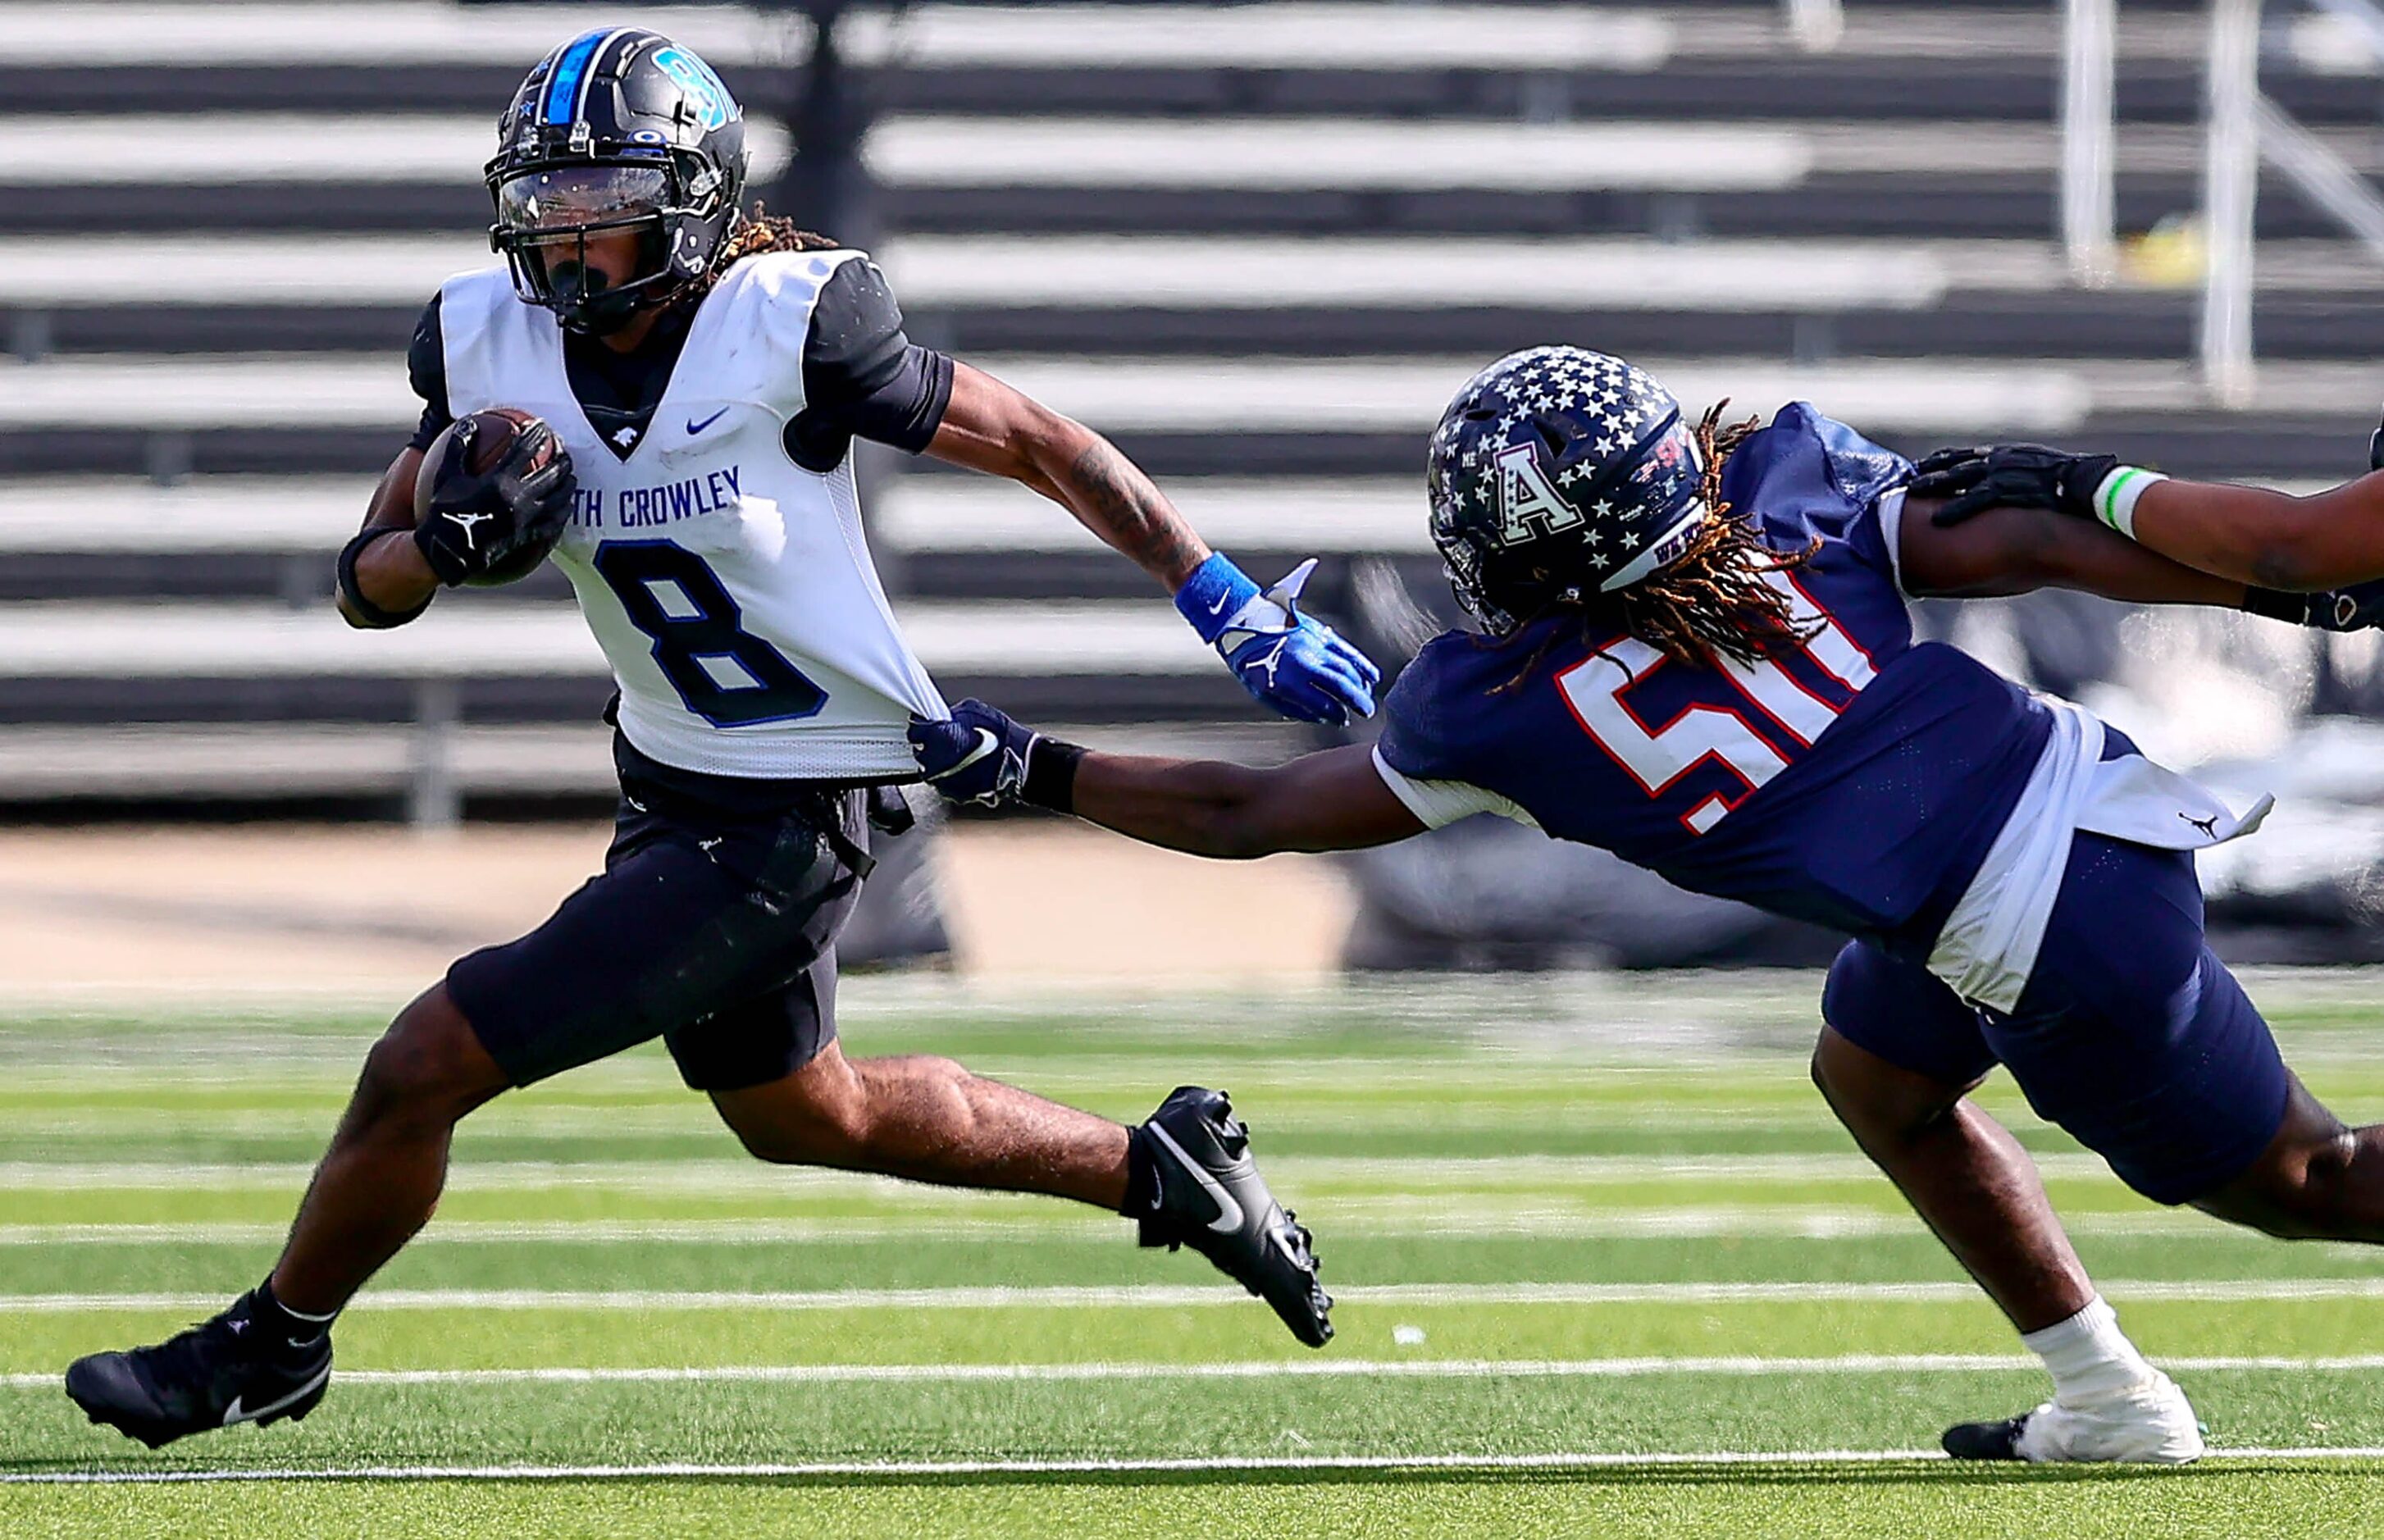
287,1333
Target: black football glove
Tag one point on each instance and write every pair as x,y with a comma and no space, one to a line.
477,521
2376,448
2359,607
2013,476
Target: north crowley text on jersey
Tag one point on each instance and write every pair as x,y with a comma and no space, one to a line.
651,507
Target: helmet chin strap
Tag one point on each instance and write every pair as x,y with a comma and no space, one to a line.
590,303
603,320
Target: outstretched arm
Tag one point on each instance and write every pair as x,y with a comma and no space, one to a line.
2331,540
1334,801
1287,660
2008,550
2327,539
990,427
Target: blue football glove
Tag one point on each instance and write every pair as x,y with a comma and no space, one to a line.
978,756
1298,666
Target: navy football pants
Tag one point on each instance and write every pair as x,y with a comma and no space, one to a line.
2132,1035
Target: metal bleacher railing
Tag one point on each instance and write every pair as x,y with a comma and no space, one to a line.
2241,129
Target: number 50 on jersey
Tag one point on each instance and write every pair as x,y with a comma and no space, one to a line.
1751,719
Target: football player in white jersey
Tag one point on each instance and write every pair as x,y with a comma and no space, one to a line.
701,376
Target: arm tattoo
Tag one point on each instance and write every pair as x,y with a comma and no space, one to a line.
1116,501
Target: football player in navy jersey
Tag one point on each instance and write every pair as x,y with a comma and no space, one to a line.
1695,651
700,377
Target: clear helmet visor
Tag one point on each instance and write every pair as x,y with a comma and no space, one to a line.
566,199
586,239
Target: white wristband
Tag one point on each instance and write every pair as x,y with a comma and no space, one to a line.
2114,500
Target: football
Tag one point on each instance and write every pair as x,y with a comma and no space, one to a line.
492,436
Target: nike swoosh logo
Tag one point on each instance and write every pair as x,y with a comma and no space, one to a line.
693,427
239,1412
1219,607
1229,1213
987,743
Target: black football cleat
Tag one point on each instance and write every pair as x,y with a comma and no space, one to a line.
211,1376
1211,1198
1985,1440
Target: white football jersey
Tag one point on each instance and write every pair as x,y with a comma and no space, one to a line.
730,587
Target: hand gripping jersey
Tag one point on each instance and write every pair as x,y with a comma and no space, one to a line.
730,587
1860,781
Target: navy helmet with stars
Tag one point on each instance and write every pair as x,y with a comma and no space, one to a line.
1557,470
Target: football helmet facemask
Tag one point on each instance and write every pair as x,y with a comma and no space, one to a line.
619,131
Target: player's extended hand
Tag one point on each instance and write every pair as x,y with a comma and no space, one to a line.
1295,664
475,521
979,755
2010,475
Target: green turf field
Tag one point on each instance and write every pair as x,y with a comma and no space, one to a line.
1607,1268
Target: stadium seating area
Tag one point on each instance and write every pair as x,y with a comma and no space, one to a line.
1256,244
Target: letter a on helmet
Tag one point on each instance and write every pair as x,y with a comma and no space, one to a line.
1525,497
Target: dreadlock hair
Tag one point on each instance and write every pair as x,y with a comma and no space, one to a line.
752,237
1712,599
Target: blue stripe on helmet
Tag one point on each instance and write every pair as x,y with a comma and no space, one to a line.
563,86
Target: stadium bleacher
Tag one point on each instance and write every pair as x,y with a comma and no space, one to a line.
1257,244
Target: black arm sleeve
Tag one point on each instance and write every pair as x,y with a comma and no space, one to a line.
862,377
426,370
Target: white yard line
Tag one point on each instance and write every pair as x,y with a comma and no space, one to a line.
1410,1369
528,1120
1174,1297
699,1129
1427,1174
591,1232
1372,1219
863,1470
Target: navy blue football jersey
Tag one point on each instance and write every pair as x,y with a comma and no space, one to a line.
1854,781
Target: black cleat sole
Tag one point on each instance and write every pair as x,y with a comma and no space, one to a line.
1984,1440
105,1391
1308,1313
110,1396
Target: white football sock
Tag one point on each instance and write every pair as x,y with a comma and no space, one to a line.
2089,1359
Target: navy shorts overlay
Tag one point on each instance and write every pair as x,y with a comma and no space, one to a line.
712,926
2131,1033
